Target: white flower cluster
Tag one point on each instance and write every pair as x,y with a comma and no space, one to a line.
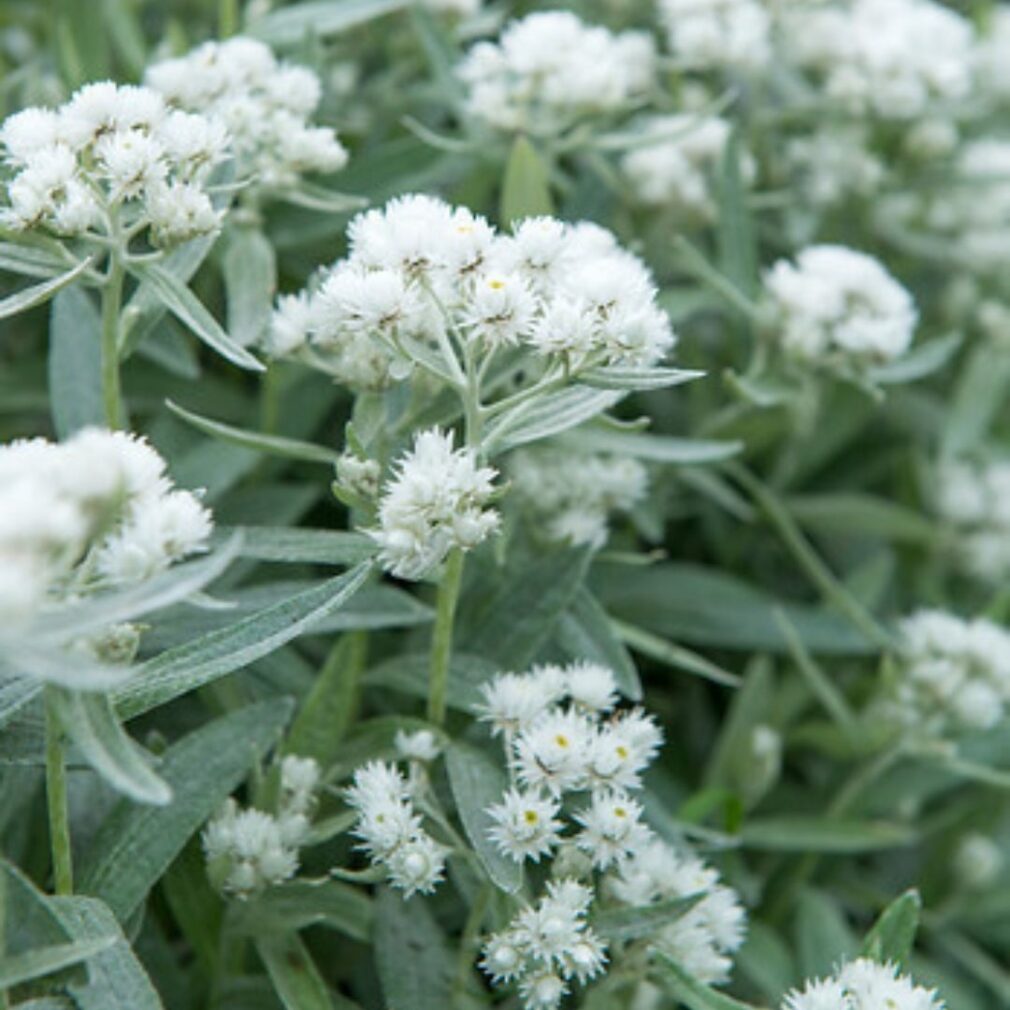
390,829
953,675
992,56
94,511
112,157
839,304
863,985
676,161
264,104
548,70
835,162
574,493
250,850
546,946
435,502
892,58
716,34
702,940
975,499
421,273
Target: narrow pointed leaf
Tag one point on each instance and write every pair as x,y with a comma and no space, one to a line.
28,298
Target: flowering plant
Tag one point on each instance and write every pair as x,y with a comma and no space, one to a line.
502,505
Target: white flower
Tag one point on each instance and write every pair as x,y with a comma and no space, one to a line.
290,323
553,753
513,702
890,57
622,749
434,504
863,984
547,945
417,866
265,106
548,69
611,828
180,211
573,493
419,746
712,34
835,162
836,301
591,687
160,531
953,675
705,937
501,309
391,830
677,160
526,825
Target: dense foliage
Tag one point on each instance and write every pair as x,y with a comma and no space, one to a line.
504,504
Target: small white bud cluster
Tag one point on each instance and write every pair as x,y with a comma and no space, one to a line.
978,861
435,502
250,850
953,675
702,940
572,493
391,832
264,104
839,306
675,163
94,511
974,497
421,272
112,153
718,34
863,985
547,946
549,70
890,58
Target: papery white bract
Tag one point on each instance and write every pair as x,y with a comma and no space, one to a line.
714,34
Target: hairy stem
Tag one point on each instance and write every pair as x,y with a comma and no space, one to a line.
56,798
441,642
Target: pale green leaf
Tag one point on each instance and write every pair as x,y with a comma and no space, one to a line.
526,189
28,298
75,363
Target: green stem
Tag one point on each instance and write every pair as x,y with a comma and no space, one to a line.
56,797
112,300
441,642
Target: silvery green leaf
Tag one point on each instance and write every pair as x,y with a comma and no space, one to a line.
193,314
927,358
46,663
274,445
654,448
294,546
796,833
478,781
626,377
692,993
186,667
30,260
294,974
116,978
91,723
318,19
547,415
327,201
526,189
16,969
633,923
892,936
28,298
298,904
75,362
249,268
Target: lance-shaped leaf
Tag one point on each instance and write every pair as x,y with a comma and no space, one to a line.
526,189
186,667
692,993
318,19
892,936
28,298
549,415
626,377
250,281
477,782
75,363
294,974
303,546
624,924
90,721
274,445
16,969
193,314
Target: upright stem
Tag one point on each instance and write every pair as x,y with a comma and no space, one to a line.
441,642
56,797
112,299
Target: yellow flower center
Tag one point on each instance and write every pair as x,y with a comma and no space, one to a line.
561,740
530,816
